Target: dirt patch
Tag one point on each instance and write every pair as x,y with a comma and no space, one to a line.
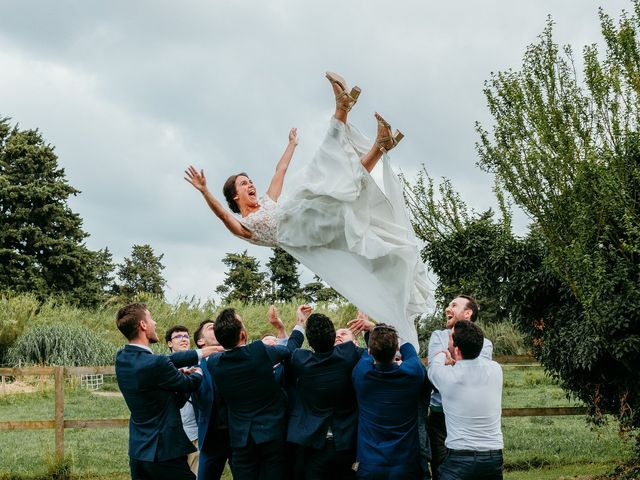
11,388
108,394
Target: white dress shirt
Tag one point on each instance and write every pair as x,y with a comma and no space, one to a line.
438,342
471,393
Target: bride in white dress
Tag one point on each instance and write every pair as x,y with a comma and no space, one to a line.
334,218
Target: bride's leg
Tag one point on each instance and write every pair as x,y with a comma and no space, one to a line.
341,113
371,158
345,99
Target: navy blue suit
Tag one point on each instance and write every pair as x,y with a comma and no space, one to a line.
213,433
325,399
256,405
149,384
388,398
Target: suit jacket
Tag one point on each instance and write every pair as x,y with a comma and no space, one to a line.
149,384
244,378
324,397
211,412
388,399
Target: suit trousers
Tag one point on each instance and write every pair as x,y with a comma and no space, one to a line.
375,472
437,429
471,467
327,463
215,454
174,469
258,461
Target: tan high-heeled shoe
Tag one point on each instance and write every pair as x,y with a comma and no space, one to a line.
344,101
389,141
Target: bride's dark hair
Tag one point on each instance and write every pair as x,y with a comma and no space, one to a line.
229,191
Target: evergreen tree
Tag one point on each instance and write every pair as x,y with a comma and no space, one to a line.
285,283
318,291
42,246
243,281
142,273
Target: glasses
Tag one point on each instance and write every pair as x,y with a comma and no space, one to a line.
181,336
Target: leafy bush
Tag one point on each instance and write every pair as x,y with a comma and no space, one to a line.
61,344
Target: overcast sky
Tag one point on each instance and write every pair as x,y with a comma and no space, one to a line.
131,92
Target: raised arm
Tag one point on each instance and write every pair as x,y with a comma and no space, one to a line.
275,188
199,182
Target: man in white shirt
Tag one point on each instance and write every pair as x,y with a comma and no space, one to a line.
462,307
471,391
178,340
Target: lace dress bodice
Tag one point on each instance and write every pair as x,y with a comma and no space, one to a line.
263,223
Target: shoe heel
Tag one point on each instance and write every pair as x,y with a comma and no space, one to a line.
355,93
397,137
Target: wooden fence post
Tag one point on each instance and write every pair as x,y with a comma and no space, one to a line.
59,412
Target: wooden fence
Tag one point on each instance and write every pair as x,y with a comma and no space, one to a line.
59,423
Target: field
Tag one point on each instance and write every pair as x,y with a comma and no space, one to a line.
535,447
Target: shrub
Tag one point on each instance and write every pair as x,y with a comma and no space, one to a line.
71,345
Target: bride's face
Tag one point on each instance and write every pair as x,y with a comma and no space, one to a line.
245,192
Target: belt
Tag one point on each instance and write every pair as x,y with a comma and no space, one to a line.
474,453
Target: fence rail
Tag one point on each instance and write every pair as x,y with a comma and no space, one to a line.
59,423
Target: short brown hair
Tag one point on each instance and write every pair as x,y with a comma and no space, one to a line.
128,319
383,343
228,328
229,191
197,335
471,305
468,337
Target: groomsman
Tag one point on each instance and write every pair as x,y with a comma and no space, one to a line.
471,390
243,376
462,307
388,396
158,446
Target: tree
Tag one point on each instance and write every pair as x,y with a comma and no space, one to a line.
42,246
243,281
142,273
567,150
318,291
285,283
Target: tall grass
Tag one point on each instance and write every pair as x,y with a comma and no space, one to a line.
18,313
66,344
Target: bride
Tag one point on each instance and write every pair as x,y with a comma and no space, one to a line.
334,218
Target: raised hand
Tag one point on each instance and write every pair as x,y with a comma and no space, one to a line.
302,314
195,178
293,136
274,319
361,323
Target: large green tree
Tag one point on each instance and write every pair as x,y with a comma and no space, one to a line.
142,272
566,147
42,247
285,281
243,281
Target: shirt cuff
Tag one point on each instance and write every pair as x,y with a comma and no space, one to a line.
199,352
299,328
282,341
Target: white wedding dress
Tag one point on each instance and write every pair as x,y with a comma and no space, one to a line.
334,219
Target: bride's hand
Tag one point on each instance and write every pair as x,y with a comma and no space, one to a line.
293,136
195,178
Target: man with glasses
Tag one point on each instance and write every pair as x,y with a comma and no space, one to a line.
388,396
178,340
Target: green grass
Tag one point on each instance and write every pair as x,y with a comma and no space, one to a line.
535,447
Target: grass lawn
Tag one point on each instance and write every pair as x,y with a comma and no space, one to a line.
537,448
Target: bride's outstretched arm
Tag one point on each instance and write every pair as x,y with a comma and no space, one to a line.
199,182
275,187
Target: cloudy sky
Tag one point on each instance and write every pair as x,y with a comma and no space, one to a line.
131,92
